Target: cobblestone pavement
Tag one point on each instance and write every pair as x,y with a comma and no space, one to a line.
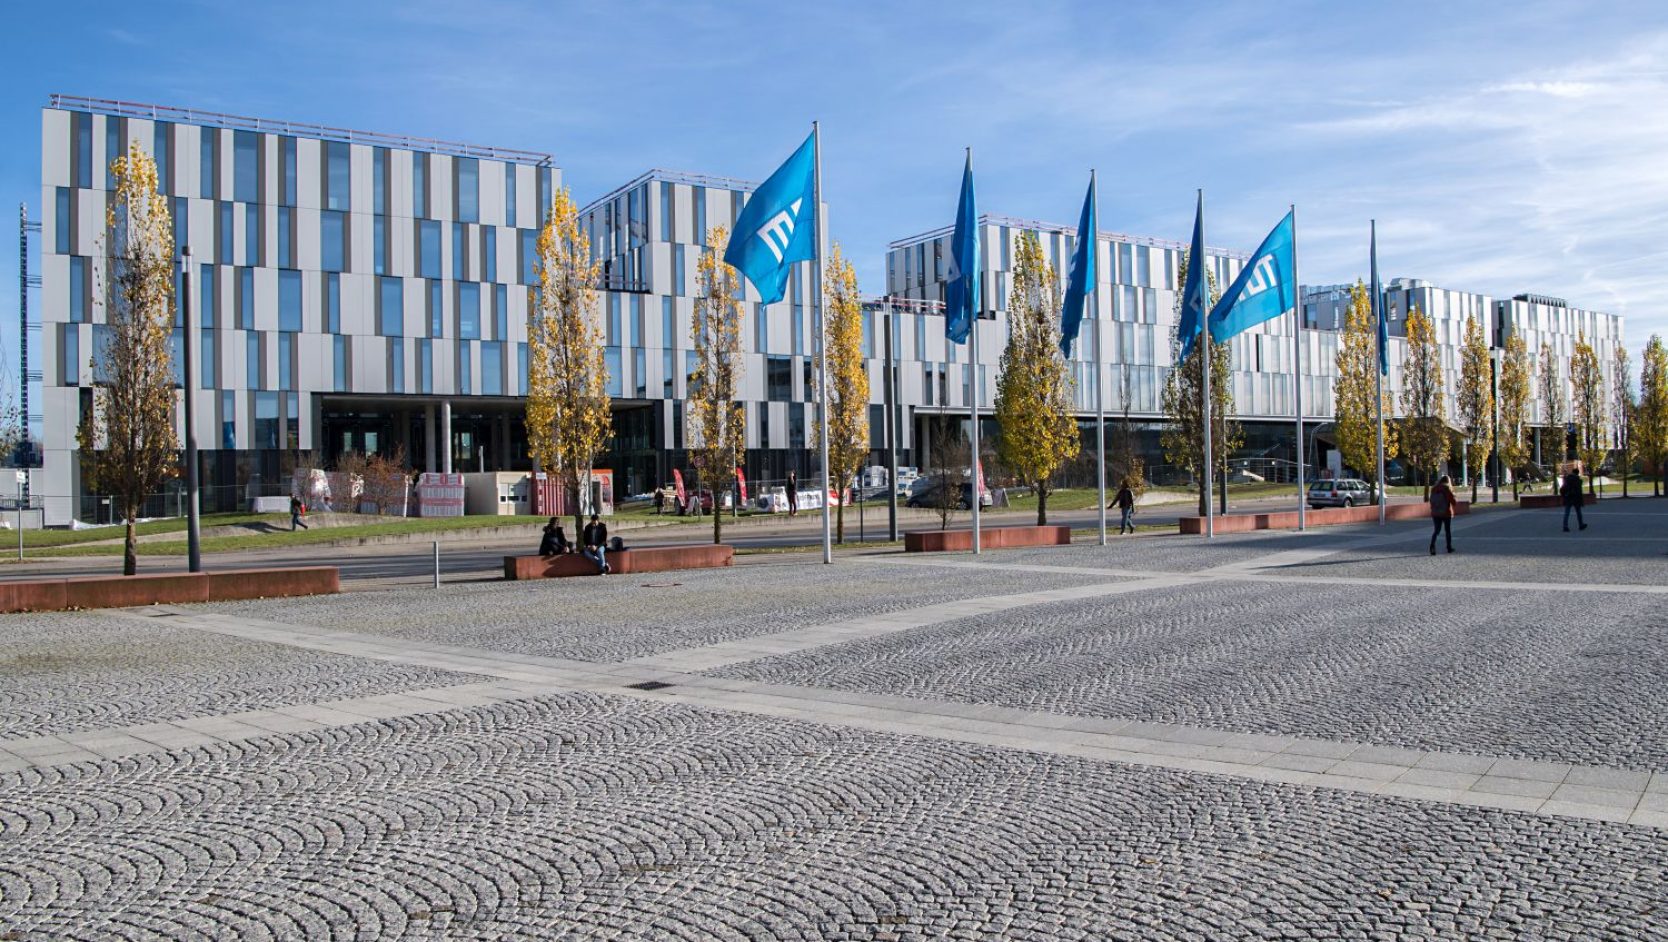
1626,543
485,790
66,672
1170,554
613,619
583,816
1550,676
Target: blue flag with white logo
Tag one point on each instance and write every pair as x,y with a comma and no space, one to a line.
1081,280
1195,293
1264,290
778,226
961,282
1379,313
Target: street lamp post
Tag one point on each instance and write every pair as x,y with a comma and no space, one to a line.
1494,423
193,516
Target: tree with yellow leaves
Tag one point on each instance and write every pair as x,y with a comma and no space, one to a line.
1033,392
717,421
128,445
1355,416
569,414
1515,372
1424,435
1623,406
1651,423
1476,398
1554,390
1589,410
847,401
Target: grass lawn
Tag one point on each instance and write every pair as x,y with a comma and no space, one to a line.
313,537
45,538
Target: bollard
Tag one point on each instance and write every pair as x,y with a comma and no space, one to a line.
437,564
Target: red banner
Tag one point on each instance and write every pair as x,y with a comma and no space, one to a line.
741,483
677,480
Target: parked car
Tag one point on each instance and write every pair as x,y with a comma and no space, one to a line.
1340,492
925,493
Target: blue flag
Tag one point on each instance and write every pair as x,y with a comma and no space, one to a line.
1264,290
961,282
1379,313
1195,293
778,226
1081,280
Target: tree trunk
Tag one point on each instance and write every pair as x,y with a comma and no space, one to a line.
1204,506
717,517
840,523
130,550
578,515
1042,506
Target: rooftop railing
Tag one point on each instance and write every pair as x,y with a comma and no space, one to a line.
214,119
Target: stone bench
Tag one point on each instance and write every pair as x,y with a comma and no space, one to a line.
623,563
1320,517
949,541
1549,501
48,595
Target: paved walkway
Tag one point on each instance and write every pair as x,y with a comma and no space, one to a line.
459,755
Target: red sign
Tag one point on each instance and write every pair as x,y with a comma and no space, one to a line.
741,481
677,479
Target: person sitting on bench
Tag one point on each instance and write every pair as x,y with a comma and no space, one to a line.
555,542
595,539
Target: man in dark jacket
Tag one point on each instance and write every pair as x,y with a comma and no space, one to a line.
1443,502
1570,490
595,539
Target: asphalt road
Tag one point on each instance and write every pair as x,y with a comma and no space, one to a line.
465,560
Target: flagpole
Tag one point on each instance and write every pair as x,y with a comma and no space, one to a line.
973,375
1205,364
1378,375
822,343
1297,374
1094,305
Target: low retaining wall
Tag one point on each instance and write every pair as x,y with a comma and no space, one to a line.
231,584
944,541
623,563
50,595
1322,517
1545,501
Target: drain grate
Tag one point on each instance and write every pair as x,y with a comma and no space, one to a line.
649,685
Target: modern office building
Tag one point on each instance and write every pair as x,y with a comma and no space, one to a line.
369,292
355,291
1541,320
648,236
1136,318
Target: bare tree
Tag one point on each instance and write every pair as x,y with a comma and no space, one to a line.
951,459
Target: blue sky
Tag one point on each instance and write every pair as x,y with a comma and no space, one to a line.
1503,147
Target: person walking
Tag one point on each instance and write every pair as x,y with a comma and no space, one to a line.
1125,502
793,494
659,500
298,511
1570,491
1443,502
595,539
